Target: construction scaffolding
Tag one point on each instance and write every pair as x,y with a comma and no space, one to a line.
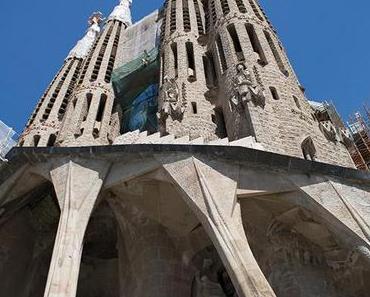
359,126
136,76
7,139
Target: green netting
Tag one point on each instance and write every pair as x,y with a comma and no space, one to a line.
133,78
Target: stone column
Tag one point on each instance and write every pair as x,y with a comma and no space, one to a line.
77,188
212,197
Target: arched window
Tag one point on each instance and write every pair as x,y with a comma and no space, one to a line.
256,45
221,54
276,54
192,76
236,42
308,149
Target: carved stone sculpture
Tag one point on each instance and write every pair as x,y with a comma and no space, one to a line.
170,103
328,129
246,90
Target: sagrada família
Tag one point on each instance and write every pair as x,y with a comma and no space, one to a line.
179,157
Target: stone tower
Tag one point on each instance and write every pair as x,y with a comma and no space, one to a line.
44,125
183,97
223,64
206,206
92,116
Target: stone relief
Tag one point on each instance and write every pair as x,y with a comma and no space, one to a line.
245,89
171,103
329,131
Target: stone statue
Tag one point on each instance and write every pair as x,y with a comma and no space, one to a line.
169,102
205,282
246,90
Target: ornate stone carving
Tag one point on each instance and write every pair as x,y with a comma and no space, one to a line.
245,89
346,137
329,130
170,101
83,47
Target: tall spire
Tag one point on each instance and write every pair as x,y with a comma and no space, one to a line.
82,48
122,12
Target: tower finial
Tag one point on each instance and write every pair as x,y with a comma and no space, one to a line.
83,46
122,12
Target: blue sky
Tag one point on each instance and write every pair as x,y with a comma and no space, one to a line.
327,42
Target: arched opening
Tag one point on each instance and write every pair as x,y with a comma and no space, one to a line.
99,263
28,227
297,253
308,149
162,246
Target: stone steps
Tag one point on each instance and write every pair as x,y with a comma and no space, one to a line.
137,137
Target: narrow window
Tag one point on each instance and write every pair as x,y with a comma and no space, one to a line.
225,7
221,53
194,107
211,60
207,70
89,97
199,17
274,93
36,140
308,149
186,15
236,42
52,139
101,108
276,54
256,45
241,6
219,120
191,61
175,58
173,17
296,101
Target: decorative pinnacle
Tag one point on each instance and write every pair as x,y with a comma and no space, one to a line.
122,12
82,48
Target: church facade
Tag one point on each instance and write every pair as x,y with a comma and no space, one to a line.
238,189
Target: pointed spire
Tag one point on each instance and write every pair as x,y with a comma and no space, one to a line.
82,48
122,12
